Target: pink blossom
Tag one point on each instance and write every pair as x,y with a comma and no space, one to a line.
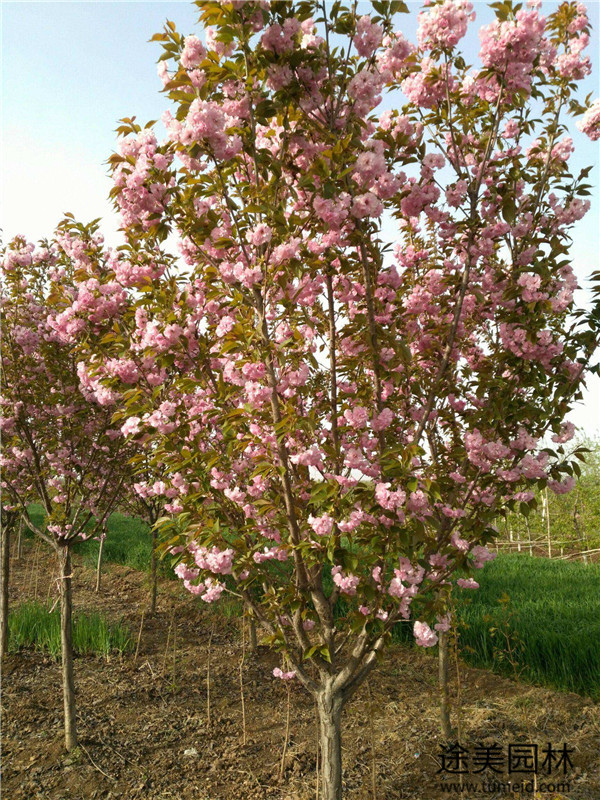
367,205
261,234
424,636
322,526
131,426
368,37
356,417
564,486
383,420
590,122
225,325
284,676
567,431
467,583
460,544
445,24
193,52
347,584
481,556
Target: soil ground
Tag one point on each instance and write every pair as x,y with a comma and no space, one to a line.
144,730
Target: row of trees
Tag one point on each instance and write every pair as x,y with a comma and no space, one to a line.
347,368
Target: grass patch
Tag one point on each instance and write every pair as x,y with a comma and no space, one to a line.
551,615
128,542
32,625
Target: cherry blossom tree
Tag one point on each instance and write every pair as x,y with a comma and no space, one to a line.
58,449
368,328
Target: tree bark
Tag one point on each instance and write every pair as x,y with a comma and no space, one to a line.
66,640
329,705
443,681
4,590
153,571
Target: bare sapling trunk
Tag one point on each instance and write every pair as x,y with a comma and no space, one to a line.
66,640
329,705
444,689
153,571
5,547
99,564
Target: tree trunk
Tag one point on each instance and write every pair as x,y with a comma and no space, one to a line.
99,565
329,705
4,590
444,692
66,608
153,574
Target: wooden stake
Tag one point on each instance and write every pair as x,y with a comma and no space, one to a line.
37,571
242,682
546,505
99,564
139,639
20,540
174,655
373,753
317,765
210,638
164,666
287,733
253,637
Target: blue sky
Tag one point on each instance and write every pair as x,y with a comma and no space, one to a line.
70,70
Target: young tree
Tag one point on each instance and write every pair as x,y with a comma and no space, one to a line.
58,448
144,499
370,325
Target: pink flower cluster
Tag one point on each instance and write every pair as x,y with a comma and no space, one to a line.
213,560
512,46
368,37
207,123
193,52
424,636
280,39
590,122
445,24
143,186
284,676
347,584
322,525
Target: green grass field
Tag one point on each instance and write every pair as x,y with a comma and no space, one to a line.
35,625
551,618
128,542
532,618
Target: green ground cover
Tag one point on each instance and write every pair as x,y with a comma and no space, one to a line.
532,618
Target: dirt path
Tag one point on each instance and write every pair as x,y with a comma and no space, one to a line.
144,732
